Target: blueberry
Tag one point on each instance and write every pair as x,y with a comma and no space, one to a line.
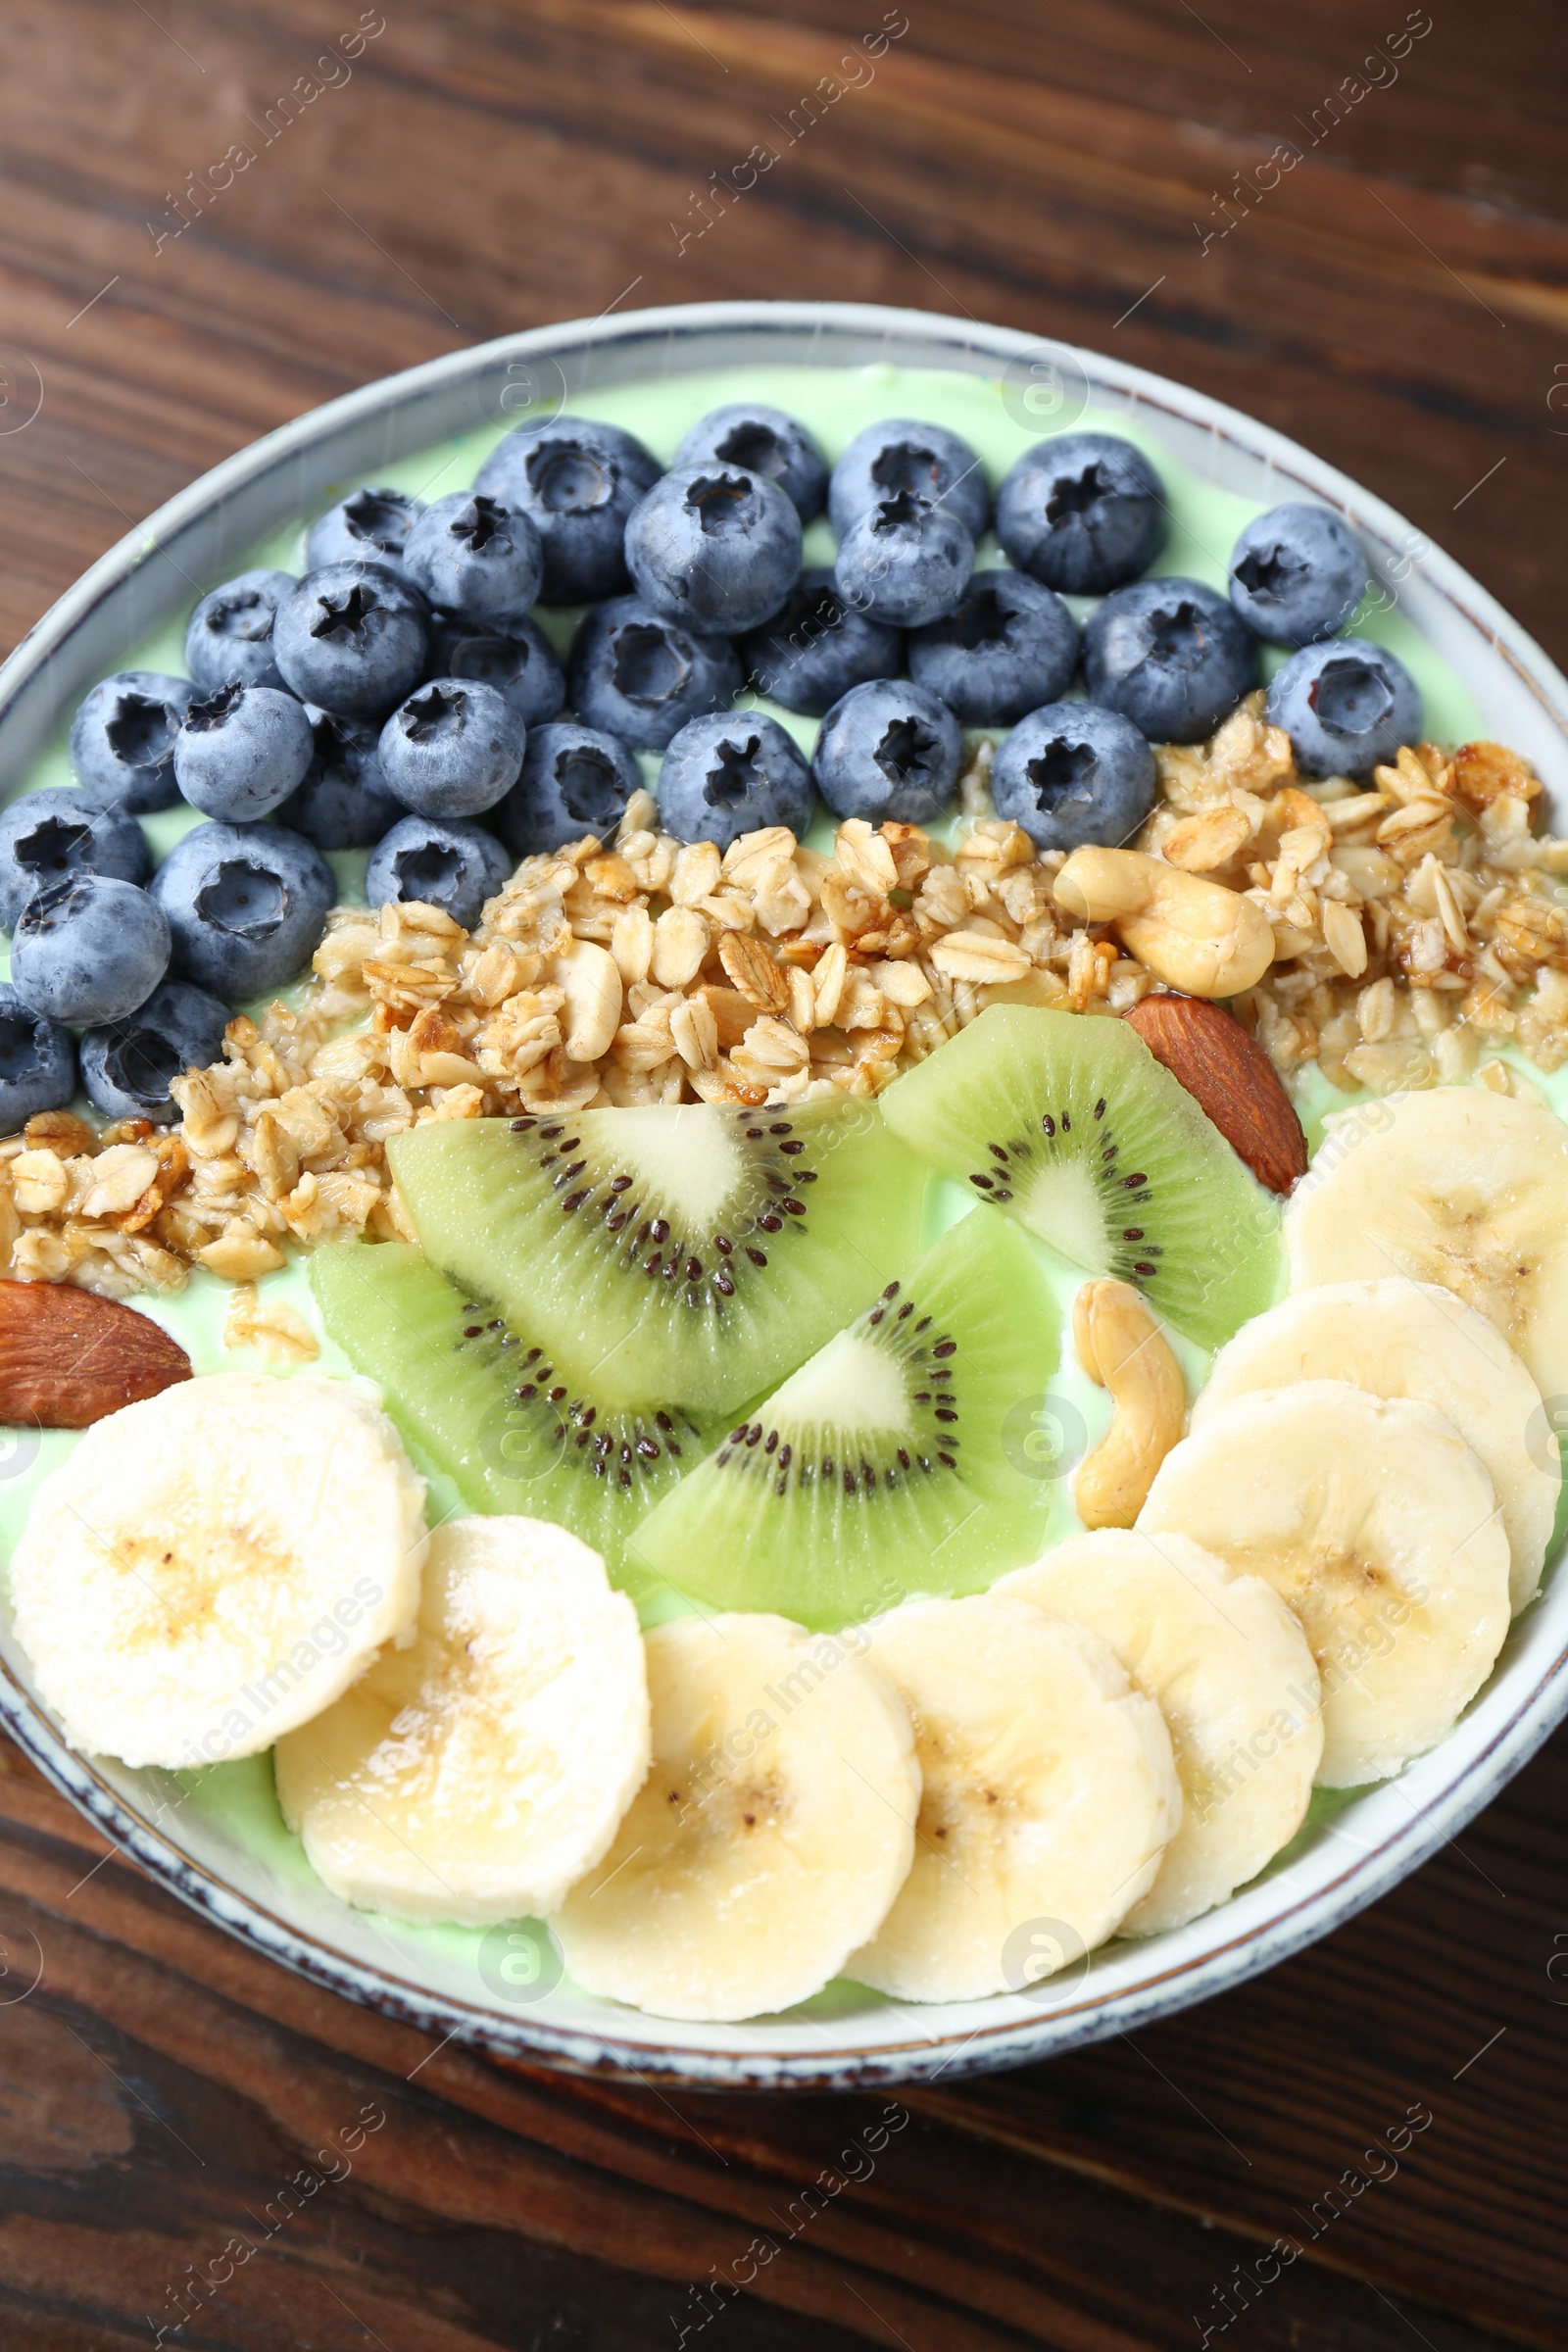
761,440
88,948
578,481
888,752
1083,511
344,802
1010,645
1346,707
451,749
123,739
47,835
247,906
518,662
1171,656
574,781
733,773
443,862
37,1062
904,560
352,638
1297,573
241,751
369,526
715,547
231,632
129,1066
902,454
637,677
816,647
1073,772
476,556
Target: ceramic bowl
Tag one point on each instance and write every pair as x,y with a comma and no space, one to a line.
488,1993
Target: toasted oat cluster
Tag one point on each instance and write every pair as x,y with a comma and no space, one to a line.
1415,924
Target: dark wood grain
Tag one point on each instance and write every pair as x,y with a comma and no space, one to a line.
1399,303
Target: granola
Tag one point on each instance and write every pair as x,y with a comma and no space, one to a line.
1418,922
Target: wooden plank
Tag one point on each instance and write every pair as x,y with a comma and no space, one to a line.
1398,304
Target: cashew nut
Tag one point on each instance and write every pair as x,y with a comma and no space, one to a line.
1122,1348
1193,934
591,980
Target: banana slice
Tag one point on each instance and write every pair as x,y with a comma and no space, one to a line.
215,1566
1456,1186
474,1774
1228,1666
1049,1795
1413,1339
773,1832
1373,1519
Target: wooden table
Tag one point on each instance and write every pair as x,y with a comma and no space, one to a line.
1399,302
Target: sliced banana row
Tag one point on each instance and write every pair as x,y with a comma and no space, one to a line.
954,1800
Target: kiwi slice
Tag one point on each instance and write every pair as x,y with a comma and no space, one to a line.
1070,1124
894,1462
691,1252
476,1397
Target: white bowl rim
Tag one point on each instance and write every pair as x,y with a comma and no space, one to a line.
621,2047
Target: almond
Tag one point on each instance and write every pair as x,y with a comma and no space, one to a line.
1230,1078
68,1357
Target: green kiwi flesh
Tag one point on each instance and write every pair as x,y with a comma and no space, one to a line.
479,1400
1070,1124
693,1254
894,1462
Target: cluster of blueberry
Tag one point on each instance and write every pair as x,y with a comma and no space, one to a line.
400,690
